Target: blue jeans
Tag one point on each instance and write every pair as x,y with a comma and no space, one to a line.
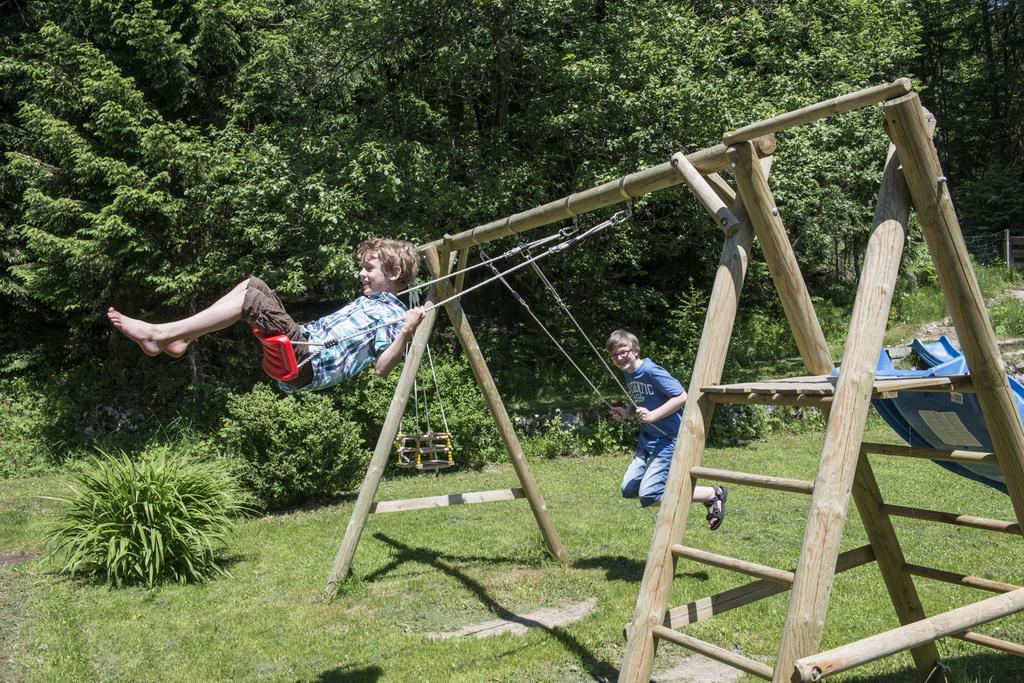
646,475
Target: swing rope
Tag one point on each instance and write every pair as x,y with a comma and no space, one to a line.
525,246
437,390
546,331
566,243
565,309
561,303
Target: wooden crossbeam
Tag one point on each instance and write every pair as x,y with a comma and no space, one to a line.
903,450
820,110
959,579
646,181
952,518
754,569
955,621
990,642
825,385
705,608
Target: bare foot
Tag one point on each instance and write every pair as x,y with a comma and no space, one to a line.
138,331
176,349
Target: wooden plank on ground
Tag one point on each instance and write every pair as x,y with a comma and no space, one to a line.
444,501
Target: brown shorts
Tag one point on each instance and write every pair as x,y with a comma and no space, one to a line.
263,310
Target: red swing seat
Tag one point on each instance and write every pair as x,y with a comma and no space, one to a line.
278,355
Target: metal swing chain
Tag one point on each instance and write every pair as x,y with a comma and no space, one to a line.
621,216
570,231
526,246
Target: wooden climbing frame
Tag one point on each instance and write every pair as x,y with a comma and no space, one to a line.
912,178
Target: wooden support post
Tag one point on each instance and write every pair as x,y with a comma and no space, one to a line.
460,279
515,450
907,126
837,468
706,194
778,254
889,556
652,602
375,471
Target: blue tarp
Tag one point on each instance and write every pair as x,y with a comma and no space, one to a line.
942,419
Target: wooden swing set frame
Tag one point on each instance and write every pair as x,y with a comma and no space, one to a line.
912,178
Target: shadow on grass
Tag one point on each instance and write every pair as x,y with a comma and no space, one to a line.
309,506
424,556
350,675
621,568
600,671
616,567
979,668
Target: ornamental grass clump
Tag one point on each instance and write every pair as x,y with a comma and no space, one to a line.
161,518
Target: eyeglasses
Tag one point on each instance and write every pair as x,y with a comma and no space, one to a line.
620,353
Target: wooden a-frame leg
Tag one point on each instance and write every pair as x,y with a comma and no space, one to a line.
652,601
375,471
508,435
889,556
908,129
840,453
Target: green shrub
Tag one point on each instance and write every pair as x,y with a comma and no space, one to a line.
1008,317
555,439
474,436
738,424
145,522
993,280
291,449
23,424
759,336
606,437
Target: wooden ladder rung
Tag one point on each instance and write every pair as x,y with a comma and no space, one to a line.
907,637
989,641
715,652
966,457
443,501
758,480
952,518
959,579
705,608
760,571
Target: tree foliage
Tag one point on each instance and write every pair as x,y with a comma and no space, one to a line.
156,153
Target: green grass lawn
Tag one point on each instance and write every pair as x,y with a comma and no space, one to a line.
418,573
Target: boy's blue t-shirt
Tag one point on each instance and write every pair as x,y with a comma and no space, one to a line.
650,386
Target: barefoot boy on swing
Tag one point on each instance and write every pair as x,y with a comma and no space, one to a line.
372,329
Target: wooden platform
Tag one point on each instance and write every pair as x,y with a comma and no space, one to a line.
819,389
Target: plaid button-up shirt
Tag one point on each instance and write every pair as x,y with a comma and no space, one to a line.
353,351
